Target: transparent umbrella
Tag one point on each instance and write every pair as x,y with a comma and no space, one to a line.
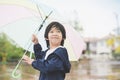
19,16
20,19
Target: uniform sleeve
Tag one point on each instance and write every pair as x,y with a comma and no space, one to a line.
45,66
38,51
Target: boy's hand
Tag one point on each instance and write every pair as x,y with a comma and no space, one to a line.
34,39
27,59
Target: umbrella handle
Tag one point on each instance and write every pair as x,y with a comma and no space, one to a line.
30,55
14,74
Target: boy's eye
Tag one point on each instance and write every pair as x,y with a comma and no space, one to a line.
55,31
58,31
51,31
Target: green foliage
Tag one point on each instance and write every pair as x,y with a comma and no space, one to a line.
14,53
117,50
116,53
9,49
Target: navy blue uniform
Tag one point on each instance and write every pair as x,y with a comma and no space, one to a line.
55,66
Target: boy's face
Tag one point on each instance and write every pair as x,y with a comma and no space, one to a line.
55,36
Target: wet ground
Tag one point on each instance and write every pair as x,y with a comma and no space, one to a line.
94,67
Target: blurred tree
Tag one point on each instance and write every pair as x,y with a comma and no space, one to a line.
110,42
117,50
8,48
3,41
75,22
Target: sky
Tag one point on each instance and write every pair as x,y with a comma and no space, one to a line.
98,17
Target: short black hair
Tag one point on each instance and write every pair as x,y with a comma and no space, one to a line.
58,26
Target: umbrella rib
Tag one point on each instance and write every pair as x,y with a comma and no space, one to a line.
39,11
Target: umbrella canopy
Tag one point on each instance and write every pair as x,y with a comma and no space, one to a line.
16,10
74,43
19,20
